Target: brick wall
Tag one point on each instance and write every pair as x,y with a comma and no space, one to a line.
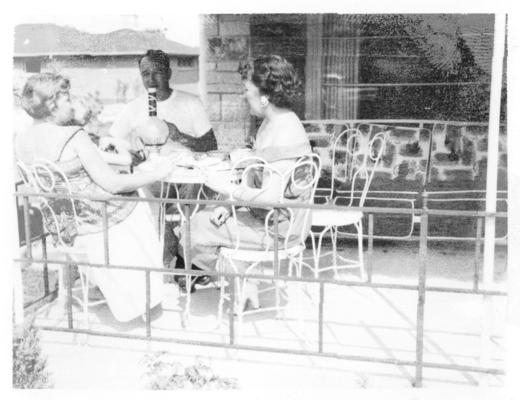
226,43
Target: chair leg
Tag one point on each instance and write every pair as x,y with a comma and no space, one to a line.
299,265
334,238
318,251
187,307
290,267
315,259
61,284
359,228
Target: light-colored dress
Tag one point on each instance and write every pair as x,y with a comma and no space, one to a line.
206,238
131,235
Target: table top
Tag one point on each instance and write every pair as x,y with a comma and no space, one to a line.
186,175
189,174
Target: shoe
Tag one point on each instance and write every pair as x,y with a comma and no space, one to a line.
202,280
95,294
181,281
251,301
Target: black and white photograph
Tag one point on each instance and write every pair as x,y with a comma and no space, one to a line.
298,202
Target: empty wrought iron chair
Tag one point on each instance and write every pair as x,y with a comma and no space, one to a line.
355,157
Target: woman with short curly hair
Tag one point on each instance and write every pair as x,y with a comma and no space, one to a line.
275,78
270,84
55,138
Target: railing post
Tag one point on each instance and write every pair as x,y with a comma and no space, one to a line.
69,296
276,265
423,250
18,302
478,247
148,313
45,266
105,233
320,317
27,221
370,250
232,311
187,259
275,242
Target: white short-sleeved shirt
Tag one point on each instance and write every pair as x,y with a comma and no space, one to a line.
183,109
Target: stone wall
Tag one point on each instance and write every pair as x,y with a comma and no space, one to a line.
458,150
226,44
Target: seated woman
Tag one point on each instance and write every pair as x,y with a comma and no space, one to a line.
270,87
132,238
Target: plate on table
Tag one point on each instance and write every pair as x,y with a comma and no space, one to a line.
222,166
208,162
185,160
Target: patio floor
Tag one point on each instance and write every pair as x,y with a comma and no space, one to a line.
358,321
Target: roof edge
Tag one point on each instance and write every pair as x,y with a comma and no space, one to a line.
117,53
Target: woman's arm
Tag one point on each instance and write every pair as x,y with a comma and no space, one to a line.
116,158
270,191
104,176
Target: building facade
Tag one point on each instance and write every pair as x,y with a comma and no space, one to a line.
104,65
425,77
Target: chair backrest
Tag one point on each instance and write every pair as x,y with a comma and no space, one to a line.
355,157
298,185
302,181
59,214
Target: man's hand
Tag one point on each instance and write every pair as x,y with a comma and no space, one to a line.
109,143
164,166
115,151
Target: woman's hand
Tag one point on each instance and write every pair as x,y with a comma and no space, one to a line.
220,216
219,182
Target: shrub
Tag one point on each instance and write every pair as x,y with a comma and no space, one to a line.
29,364
164,373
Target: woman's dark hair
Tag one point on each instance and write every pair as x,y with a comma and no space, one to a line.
158,57
41,88
275,77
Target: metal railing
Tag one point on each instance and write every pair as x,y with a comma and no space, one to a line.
421,288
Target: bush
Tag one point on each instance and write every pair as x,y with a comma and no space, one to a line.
164,373
29,364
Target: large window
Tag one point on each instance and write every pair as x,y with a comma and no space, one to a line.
186,62
399,66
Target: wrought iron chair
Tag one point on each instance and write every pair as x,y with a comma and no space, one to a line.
60,220
355,157
302,177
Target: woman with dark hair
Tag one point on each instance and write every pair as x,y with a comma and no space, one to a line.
132,237
271,85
